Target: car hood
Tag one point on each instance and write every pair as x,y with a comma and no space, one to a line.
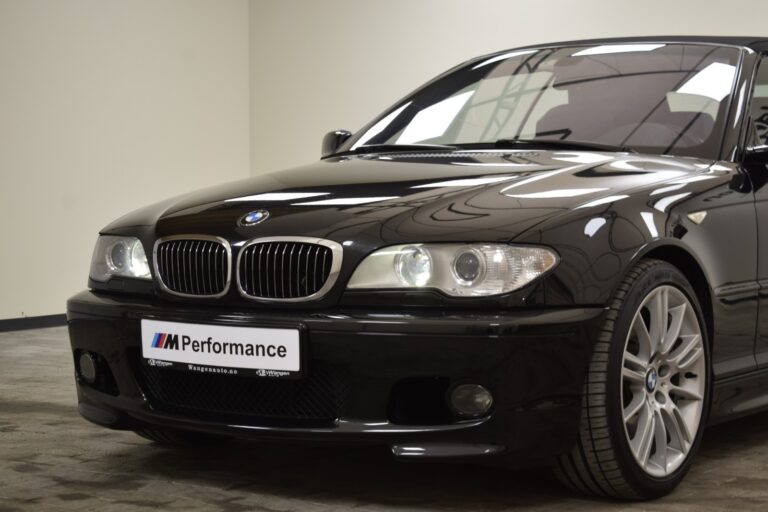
408,197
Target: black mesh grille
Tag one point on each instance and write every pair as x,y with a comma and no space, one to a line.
193,267
315,399
284,270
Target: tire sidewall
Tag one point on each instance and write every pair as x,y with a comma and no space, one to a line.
644,484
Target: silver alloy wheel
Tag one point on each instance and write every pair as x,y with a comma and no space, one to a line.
663,381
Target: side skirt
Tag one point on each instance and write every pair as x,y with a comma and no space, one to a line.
738,396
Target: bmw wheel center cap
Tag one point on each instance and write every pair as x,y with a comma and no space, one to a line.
650,380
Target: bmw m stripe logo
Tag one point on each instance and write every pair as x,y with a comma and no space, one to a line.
166,341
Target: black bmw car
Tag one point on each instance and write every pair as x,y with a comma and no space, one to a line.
549,255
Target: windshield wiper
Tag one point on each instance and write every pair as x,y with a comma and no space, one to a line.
501,144
381,148
560,144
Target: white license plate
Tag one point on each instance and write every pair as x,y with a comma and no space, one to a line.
261,351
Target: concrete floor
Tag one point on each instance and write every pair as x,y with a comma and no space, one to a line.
51,459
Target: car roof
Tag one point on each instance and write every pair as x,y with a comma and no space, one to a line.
742,41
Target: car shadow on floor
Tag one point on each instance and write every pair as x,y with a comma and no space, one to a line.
349,475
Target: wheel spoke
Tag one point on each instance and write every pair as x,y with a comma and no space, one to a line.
687,435
643,440
635,376
643,337
660,436
677,315
634,407
659,308
692,358
635,361
677,427
685,394
689,351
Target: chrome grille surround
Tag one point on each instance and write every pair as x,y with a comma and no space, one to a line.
226,275
336,252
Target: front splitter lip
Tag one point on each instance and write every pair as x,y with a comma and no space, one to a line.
415,450
112,413
405,441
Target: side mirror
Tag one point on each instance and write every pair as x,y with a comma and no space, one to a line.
758,153
333,141
756,162
756,157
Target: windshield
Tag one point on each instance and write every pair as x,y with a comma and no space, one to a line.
651,98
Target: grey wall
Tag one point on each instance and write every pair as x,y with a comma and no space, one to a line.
106,105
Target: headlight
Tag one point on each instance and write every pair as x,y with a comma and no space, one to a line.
413,266
461,270
119,256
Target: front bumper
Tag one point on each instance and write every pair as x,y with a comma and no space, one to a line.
533,362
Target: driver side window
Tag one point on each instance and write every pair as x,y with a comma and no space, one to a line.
759,109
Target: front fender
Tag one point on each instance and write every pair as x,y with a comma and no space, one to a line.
599,244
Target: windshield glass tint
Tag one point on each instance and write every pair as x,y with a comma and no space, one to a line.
653,98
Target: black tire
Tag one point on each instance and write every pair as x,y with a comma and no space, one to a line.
602,464
182,439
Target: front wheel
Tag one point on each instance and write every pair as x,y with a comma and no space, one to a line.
646,395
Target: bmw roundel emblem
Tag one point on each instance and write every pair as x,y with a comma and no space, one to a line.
254,217
651,380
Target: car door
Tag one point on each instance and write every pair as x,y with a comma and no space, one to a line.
758,111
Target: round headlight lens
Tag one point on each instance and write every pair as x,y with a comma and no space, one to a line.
414,266
118,256
139,264
468,266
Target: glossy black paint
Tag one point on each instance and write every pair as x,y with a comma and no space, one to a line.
531,346
755,162
425,210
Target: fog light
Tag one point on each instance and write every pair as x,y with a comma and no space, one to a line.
470,400
86,364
